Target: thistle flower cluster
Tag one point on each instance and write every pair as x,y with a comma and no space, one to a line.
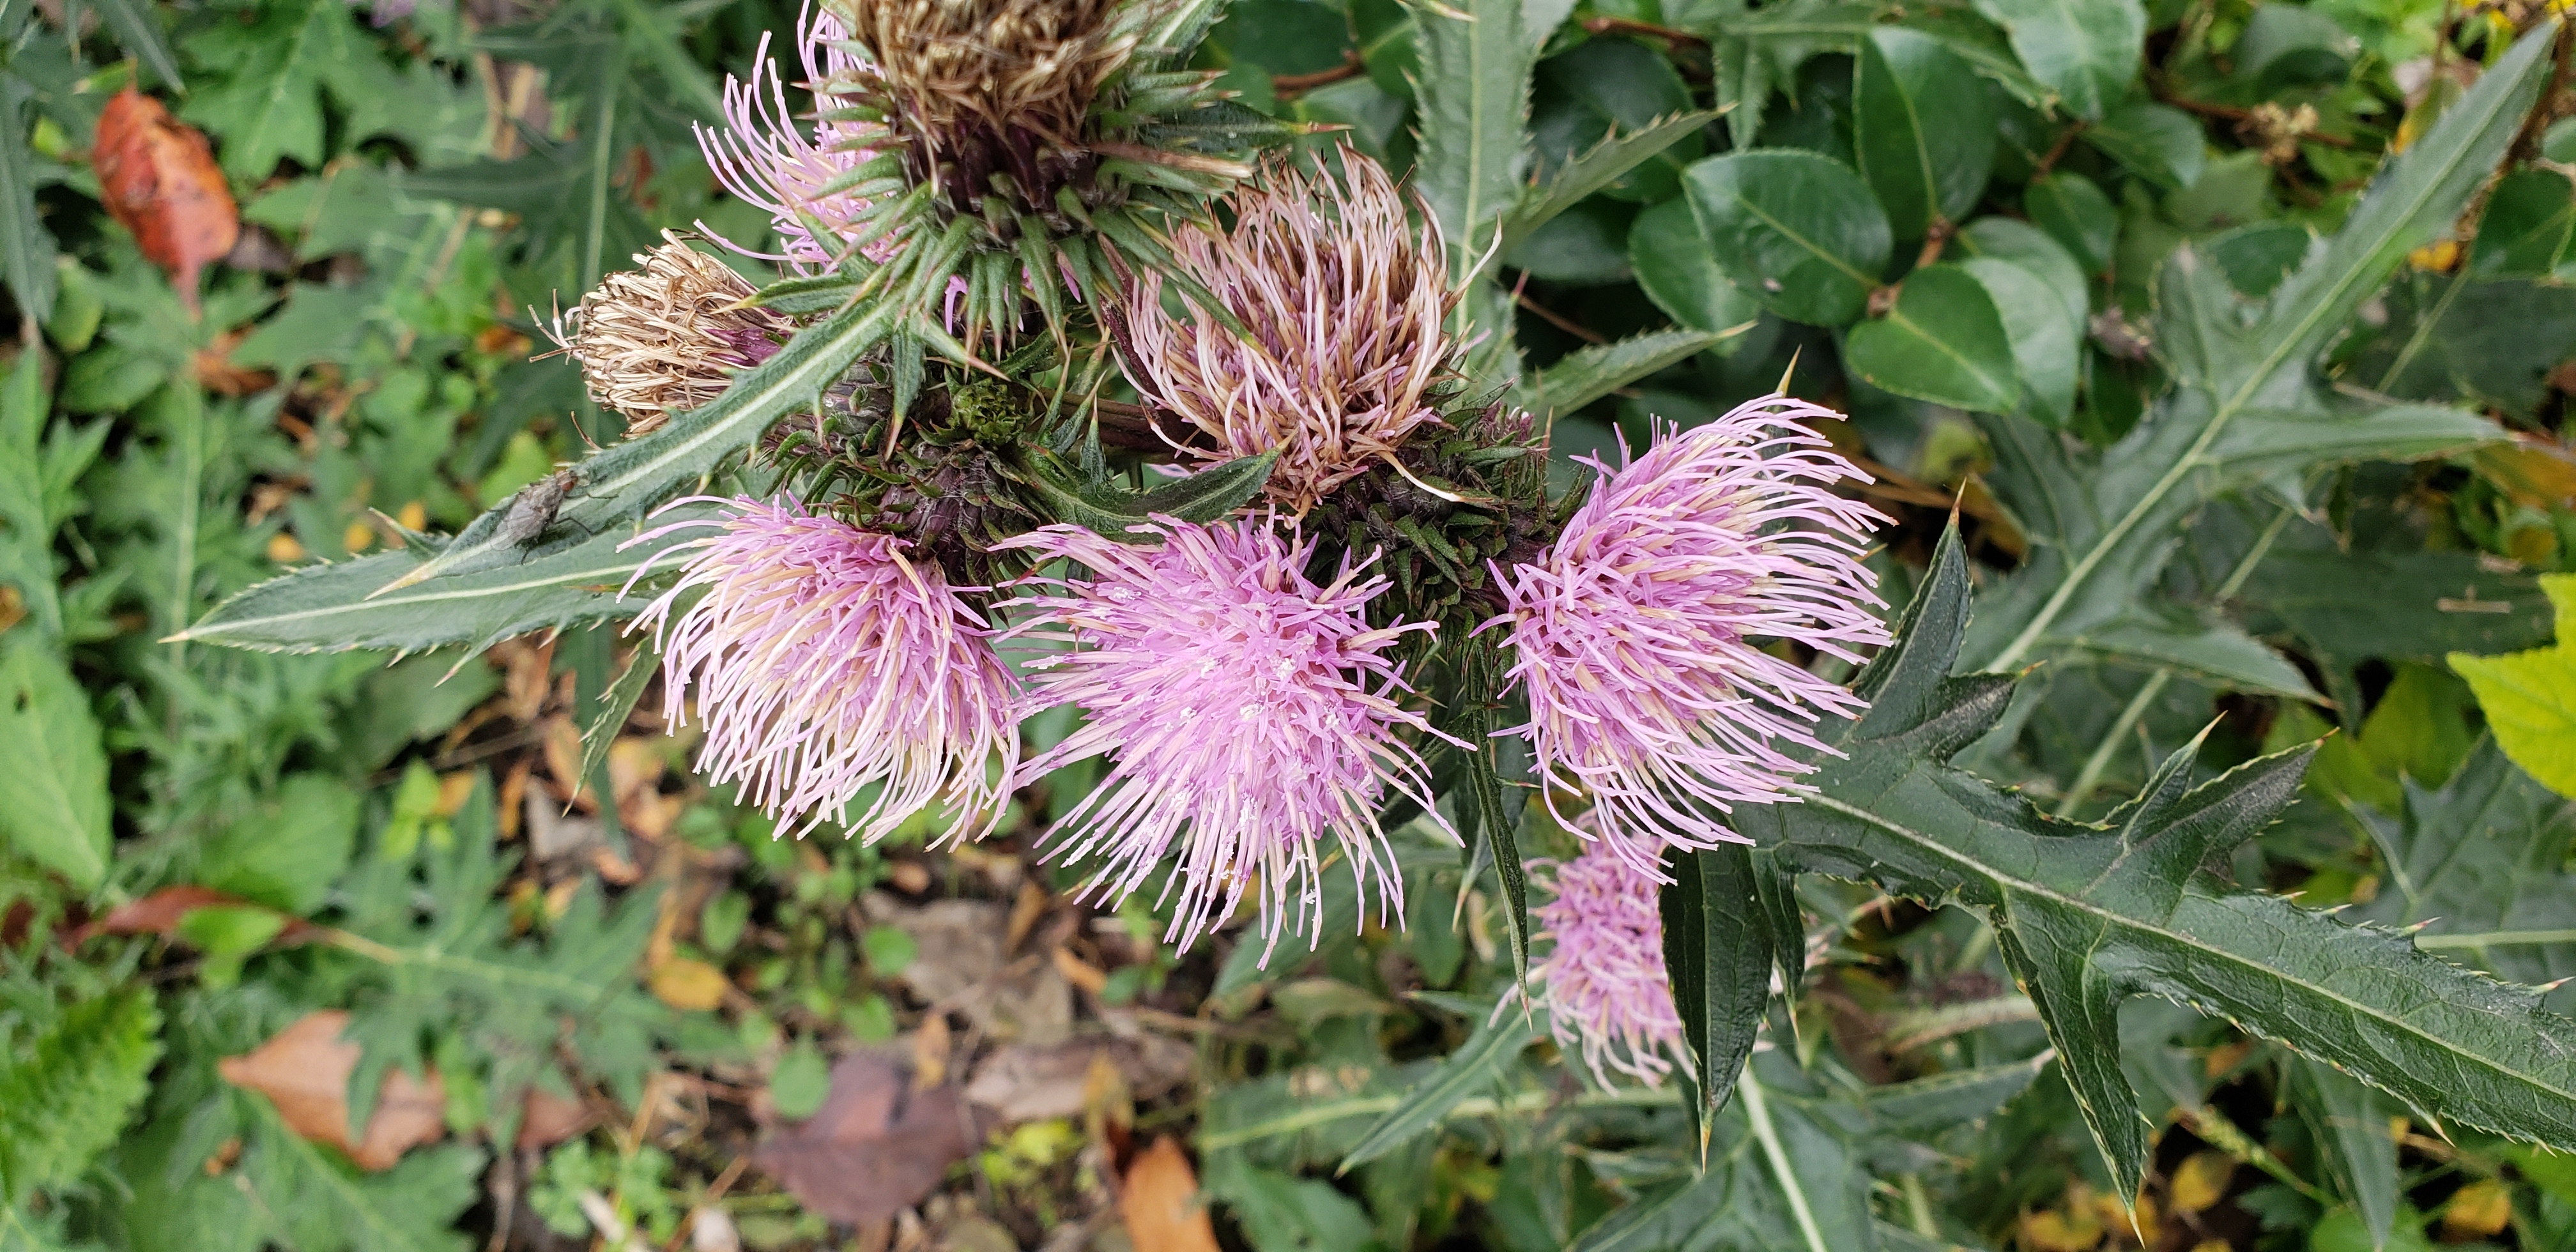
1346,560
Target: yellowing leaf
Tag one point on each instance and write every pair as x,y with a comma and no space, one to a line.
2476,1211
2530,697
2056,1231
688,985
2201,1180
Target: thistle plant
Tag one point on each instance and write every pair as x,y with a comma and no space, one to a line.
1091,458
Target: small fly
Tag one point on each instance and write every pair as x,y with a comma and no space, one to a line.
534,508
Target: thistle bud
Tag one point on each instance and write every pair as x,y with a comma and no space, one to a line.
667,336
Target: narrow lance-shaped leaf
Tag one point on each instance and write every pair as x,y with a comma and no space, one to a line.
514,580
2087,915
1718,956
1594,168
328,608
1587,374
1112,511
1471,1070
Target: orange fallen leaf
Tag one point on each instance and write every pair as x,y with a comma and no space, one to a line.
687,985
1159,1202
2477,1211
161,183
304,1070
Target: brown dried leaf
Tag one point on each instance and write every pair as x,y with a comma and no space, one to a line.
304,1070
876,1147
159,914
1026,1084
160,182
1160,1205
551,1119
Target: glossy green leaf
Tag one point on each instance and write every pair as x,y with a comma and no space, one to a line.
2157,142
2076,214
2044,343
1679,270
1800,231
1943,342
2525,230
2086,50
1922,130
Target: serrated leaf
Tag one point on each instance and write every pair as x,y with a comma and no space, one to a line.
332,608
2087,915
599,731
1473,94
1594,168
65,1093
1595,370
1718,951
1474,1068
26,247
510,584
2245,408
54,804
2482,859
1113,512
268,105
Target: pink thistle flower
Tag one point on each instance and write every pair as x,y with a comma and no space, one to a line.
1601,978
1341,304
1635,633
1248,712
765,157
827,662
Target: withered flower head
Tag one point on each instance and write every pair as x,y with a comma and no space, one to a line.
991,86
1341,302
999,150
667,336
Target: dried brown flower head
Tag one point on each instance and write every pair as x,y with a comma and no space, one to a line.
1341,300
985,87
666,337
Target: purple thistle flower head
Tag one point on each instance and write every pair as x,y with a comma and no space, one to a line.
764,156
1248,713
1601,977
1635,634
825,662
